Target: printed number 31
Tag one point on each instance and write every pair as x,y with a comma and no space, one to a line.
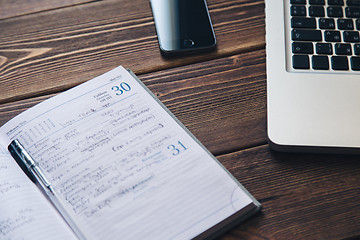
176,150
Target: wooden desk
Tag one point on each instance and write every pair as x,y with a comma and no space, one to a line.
49,46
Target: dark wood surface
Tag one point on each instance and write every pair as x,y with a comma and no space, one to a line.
48,46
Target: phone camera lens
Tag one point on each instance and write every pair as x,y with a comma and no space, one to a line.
188,43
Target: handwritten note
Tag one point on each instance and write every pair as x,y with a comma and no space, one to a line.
122,165
24,210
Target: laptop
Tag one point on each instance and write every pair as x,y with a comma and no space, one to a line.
313,75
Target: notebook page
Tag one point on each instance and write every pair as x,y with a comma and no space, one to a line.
24,211
123,166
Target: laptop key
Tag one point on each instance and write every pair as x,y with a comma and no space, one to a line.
298,2
343,49
345,24
351,36
326,23
301,62
357,49
339,63
335,12
320,62
336,2
317,2
357,23
352,12
324,48
300,22
302,47
298,11
332,36
355,63
316,11
353,2
306,35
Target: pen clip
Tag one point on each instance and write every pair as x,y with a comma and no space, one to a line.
15,150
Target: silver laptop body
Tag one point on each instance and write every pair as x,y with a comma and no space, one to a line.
308,110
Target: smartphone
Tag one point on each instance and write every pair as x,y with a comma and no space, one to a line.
183,26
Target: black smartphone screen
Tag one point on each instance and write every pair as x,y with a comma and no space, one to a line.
183,25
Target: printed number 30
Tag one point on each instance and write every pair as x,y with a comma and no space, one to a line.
176,150
123,87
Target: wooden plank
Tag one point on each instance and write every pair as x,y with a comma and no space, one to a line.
51,51
14,8
223,101
304,196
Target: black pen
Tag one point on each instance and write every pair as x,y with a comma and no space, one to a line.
33,169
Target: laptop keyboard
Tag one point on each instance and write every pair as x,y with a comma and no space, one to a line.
325,34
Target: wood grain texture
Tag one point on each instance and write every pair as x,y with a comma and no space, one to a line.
223,101
52,51
304,196
16,8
